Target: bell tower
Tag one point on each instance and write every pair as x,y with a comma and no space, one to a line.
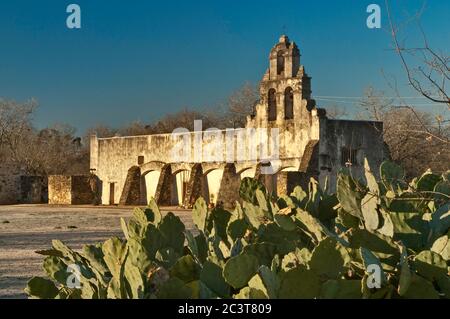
285,90
284,59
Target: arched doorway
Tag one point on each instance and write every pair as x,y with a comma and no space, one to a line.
179,186
150,180
150,174
212,179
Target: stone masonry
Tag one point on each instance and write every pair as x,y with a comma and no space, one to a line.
309,146
69,190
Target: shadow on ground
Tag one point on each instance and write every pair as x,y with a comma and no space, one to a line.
33,227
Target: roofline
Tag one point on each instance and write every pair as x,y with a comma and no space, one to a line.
360,121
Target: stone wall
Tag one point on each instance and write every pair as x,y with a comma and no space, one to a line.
111,158
10,192
81,190
59,190
69,190
163,194
34,189
22,189
195,187
229,187
363,138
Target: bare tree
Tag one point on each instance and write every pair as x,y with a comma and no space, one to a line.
15,122
415,150
414,138
335,112
426,68
240,104
135,128
54,150
185,119
233,113
101,131
419,140
374,105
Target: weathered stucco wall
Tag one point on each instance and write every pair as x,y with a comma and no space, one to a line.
116,155
363,139
69,190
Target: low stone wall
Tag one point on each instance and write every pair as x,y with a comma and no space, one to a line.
81,190
59,190
34,189
18,189
69,190
9,189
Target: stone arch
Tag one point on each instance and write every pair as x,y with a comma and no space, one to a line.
272,101
211,183
288,103
288,169
149,185
208,167
150,176
178,167
151,166
246,171
180,182
280,62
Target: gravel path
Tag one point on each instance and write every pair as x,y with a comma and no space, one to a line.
27,228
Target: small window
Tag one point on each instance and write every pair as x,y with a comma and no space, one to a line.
272,105
288,104
140,160
349,157
280,63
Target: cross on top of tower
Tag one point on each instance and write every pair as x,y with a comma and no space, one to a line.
284,39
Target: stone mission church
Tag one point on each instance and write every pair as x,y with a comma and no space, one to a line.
133,169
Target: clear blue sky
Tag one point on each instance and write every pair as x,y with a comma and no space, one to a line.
137,60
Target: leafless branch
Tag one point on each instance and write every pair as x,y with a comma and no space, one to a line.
435,62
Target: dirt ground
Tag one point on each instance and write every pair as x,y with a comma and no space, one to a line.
27,228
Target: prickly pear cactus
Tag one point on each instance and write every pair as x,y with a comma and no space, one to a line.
375,238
